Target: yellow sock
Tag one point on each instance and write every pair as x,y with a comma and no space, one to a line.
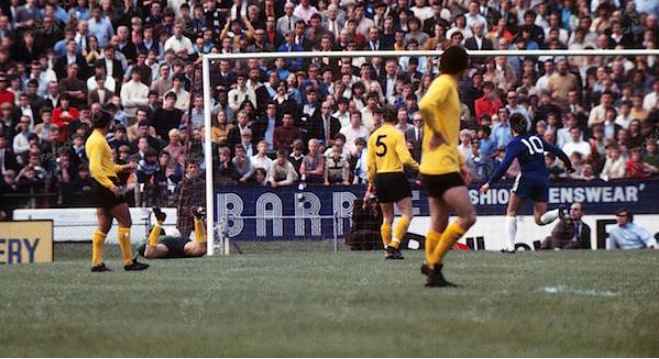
154,235
385,231
199,231
451,235
400,230
432,239
124,244
98,238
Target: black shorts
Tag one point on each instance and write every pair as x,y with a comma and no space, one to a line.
175,246
391,187
436,185
104,198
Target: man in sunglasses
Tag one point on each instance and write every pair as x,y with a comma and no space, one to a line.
628,235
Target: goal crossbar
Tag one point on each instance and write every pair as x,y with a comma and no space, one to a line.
206,70
393,53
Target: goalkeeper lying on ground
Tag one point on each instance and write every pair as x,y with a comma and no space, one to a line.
159,245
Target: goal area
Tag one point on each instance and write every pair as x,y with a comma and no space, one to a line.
249,97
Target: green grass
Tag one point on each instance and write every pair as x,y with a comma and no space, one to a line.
285,302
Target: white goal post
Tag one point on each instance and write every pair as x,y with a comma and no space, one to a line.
206,70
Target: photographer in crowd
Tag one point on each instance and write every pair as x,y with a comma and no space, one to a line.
570,232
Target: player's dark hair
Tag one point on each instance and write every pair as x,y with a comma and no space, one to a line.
454,60
518,123
389,114
101,119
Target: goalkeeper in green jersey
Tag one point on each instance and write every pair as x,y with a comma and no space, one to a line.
159,245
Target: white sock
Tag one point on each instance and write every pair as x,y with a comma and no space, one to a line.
549,216
511,229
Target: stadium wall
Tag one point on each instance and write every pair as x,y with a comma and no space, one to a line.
78,224
600,199
487,234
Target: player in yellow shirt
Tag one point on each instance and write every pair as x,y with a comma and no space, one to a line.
386,155
111,202
442,168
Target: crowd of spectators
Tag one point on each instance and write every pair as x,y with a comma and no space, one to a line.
278,122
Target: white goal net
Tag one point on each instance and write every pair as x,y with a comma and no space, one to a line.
283,131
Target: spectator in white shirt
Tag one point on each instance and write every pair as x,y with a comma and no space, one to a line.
134,94
650,100
369,110
43,77
422,11
282,172
563,134
261,159
241,93
514,107
614,167
21,143
625,117
100,76
542,85
576,144
473,16
178,42
363,23
354,131
342,113
182,96
598,113
304,10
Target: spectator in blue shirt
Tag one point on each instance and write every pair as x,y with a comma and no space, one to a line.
628,235
291,46
61,15
501,133
60,46
81,11
101,27
487,145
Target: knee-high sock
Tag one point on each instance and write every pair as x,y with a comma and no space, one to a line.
385,231
154,235
511,231
199,231
98,238
432,239
549,216
451,235
400,230
124,244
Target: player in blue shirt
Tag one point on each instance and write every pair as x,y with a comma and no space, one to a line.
533,180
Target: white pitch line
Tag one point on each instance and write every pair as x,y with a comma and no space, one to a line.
589,292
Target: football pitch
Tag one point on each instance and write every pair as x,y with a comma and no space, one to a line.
276,300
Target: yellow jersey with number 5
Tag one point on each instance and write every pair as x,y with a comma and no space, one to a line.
387,152
440,108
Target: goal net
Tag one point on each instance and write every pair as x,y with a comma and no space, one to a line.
282,134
